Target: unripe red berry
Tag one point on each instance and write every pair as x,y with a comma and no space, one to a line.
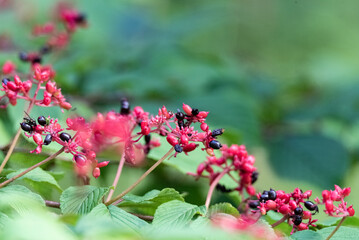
307,194
96,172
65,105
189,147
351,211
329,206
171,139
306,215
346,192
103,164
17,80
80,160
37,138
187,109
204,127
248,167
326,195
284,209
184,139
46,101
27,85
8,67
202,114
271,205
335,196
251,190
302,226
50,87
12,86
292,204
145,130
200,168
91,155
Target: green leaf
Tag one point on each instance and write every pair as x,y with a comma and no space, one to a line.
313,158
81,200
342,233
3,219
223,208
19,198
175,214
38,175
120,217
148,203
307,234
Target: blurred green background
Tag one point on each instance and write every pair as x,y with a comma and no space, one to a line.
280,76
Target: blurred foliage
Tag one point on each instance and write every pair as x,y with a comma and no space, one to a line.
279,76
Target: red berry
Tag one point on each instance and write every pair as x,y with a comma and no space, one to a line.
171,139
351,211
96,172
187,109
189,147
80,160
37,138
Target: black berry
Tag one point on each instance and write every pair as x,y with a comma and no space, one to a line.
311,206
125,107
297,220
179,115
45,49
215,144
264,197
65,137
195,111
217,132
80,18
5,80
223,188
254,176
272,195
148,138
298,211
48,139
254,204
180,124
42,120
178,148
26,127
23,56
36,59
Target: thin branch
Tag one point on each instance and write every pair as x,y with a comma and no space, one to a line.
32,168
52,204
283,219
140,179
213,186
11,149
336,229
117,177
143,217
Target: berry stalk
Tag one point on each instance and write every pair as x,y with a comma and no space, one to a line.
3,184
336,228
140,179
117,177
213,186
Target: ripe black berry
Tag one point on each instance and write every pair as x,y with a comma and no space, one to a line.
254,204
178,148
23,56
179,115
180,124
5,80
195,111
223,188
45,49
272,195
36,59
47,139
311,206
42,120
215,144
26,127
217,132
297,220
147,138
298,211
264,197
65,137
125,107
254,176
80,18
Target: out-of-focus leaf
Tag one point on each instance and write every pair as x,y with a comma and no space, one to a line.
343,233
313,158
223,208
307,234
148,203
37,176
82,199
175,214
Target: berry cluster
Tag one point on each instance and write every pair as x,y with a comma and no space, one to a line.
289,205
234,160
337,195
183,137
42,78
70,18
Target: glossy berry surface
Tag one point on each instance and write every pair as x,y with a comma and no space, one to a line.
215,144
298,211
48,139
217,132
254,204
65,137
272,195
125,107
310,206
178,148
41,120
297,220
26,127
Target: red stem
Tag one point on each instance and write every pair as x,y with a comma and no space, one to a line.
117,177
213,186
